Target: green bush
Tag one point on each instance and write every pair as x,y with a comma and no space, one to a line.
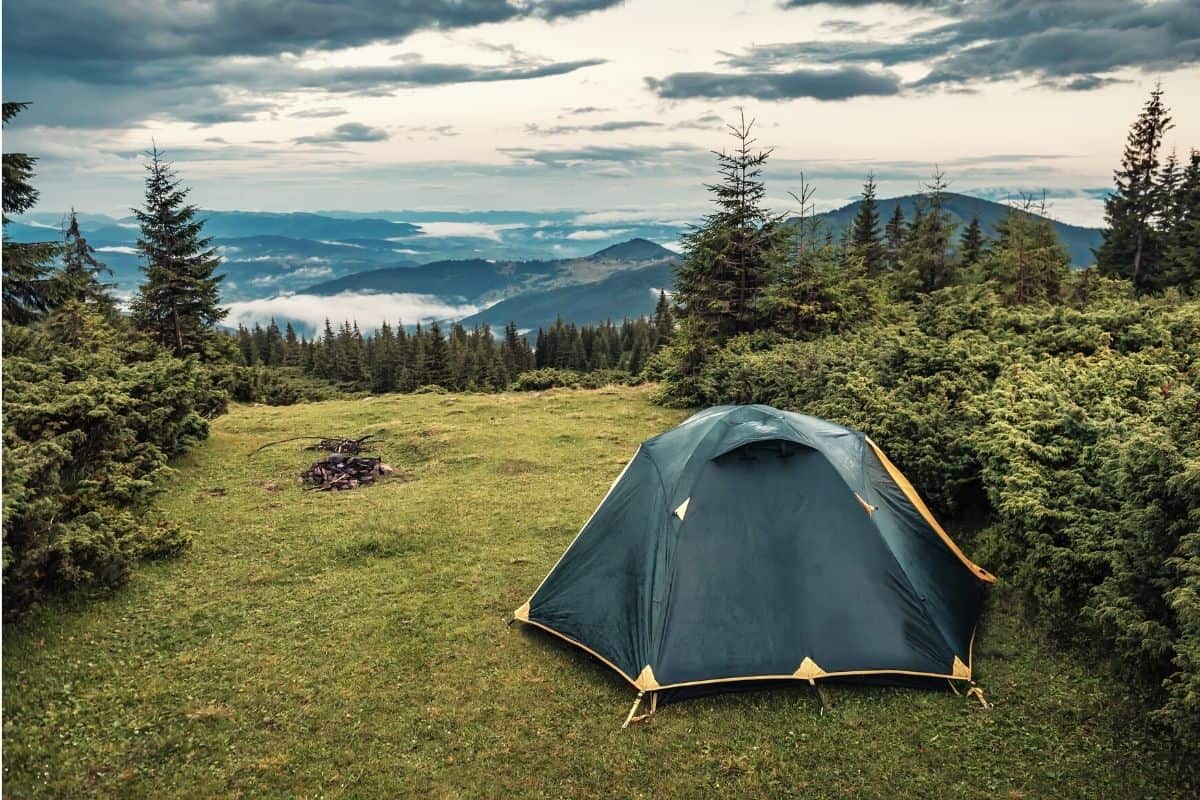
1071,431
536,380
89,428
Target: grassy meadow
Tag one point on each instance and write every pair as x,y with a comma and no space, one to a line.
353,645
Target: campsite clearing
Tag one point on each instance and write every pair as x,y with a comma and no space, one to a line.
352,644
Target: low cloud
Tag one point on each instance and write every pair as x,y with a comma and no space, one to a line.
309,311
819,84
346,132
598,127
596,235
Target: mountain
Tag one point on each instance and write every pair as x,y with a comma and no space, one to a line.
634,250
628,293
961,208
487,280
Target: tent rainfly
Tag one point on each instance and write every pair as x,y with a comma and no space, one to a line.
752,545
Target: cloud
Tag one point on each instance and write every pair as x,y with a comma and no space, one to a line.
129,251
625,155
572,111
318,113
703,122
820,84
96,65
346,132
1069,45
596,235
368,310
598,127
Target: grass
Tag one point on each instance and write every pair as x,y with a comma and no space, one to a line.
353,645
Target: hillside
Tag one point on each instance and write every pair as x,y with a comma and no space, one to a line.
483,280
629,293
354,645
961,208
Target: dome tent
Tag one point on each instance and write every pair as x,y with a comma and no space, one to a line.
751,544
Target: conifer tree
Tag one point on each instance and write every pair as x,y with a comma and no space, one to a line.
1132,247
437,357
971,244
179,303
926,264
81,271
1183,237
864,233
893,239
664,320
727,260
29,288
1027,260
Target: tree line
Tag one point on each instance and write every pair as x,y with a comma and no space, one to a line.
397,359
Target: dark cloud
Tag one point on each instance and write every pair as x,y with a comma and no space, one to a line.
1066,44
598,127
622,155
318,113
68,35
820,84
346,132
848,26
108,63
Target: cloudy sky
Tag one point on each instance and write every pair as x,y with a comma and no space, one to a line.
590,104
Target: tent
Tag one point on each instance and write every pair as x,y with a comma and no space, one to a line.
750,544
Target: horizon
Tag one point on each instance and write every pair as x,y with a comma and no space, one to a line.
518,106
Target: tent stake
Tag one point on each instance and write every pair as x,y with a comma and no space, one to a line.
820,694
632,711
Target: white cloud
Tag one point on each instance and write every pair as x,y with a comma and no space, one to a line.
473,230
368,310
304,273
115,248
589,236
340,244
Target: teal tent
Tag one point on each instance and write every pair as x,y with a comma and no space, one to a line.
750,544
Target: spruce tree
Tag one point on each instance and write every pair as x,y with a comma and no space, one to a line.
1027,261
893,238
179,303
29,288
81,271
437,357
864,233
971,245
664,320
728,259
926,264
1131,247
1183,237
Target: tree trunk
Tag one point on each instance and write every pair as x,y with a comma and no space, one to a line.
178,329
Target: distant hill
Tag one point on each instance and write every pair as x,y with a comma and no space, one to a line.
634,250
961,208
486,280
629,293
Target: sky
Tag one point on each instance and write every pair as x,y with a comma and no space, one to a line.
603,106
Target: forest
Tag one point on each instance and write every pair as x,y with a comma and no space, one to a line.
1052,413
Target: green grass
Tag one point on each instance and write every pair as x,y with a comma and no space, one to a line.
353,645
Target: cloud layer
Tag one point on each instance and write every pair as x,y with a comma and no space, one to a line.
310,311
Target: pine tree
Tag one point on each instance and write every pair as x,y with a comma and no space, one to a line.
1027,260
80,275
893,239
728,259
293,355
664,320
1131,247
1183,237
864,233
926,264
437,357
971,245
29,286
179,303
